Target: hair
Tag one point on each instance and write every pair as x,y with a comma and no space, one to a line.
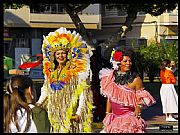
6,101
165,63
15,99
55,62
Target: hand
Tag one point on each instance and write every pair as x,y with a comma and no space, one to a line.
38,104
137,111
76,118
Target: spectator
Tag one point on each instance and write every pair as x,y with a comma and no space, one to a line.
175,72
169,97
20,113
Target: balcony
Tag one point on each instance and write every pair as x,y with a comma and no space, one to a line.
62,20
169,19
24,18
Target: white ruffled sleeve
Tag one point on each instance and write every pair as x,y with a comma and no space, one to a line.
81,103
104,72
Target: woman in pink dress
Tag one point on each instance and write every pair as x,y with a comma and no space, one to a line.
126,97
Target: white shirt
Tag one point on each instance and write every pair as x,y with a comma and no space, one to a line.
22,120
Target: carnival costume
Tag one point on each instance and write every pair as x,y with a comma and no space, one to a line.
123,102
67,92
169,97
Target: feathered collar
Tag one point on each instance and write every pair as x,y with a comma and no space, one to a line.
124,77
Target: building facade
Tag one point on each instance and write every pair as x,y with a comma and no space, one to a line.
24,28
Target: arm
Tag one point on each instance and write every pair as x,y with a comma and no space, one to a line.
138,86
80,107
144,98
108,106
44,93
81,104
172,77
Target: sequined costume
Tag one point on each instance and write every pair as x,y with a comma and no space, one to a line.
67,92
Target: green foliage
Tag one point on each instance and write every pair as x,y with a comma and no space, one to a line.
154,9
148,58
169,50
151,56
13,5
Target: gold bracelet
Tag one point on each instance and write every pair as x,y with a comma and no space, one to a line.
107,112
140,105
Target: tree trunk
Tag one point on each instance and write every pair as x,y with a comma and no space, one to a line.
112,40
79,25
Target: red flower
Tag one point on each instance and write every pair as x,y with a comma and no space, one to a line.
118,56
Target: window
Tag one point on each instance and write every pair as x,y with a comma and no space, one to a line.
54,8
60,9
21,42
141,13
142,42
110,12
51,9
122,12
6,48
122,42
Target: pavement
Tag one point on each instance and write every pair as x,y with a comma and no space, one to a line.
154,118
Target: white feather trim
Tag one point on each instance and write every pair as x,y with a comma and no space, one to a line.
104,72
82,76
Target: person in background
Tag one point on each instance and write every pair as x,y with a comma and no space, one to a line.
66,66
20,113
169,97
175,72
126,96
97,62
173,66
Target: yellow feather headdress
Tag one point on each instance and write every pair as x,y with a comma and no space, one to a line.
63,39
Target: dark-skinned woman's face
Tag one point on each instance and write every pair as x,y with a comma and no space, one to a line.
125,64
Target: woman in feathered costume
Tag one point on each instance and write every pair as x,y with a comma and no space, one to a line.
66,67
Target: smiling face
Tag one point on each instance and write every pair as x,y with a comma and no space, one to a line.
61,57
125,64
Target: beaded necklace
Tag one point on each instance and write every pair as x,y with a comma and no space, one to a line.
60,78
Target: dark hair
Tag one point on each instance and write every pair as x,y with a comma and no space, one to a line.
6,113
55,63
16,88
165,63
126,52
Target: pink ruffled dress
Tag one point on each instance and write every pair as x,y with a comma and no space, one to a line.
123,101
